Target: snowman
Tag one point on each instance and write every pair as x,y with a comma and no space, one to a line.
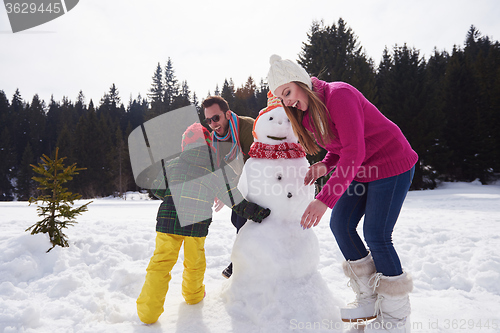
276,282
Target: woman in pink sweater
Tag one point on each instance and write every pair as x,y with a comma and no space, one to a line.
372,167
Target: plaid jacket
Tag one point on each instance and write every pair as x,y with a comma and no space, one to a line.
196,186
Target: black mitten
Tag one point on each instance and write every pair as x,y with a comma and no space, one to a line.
261,214
250,210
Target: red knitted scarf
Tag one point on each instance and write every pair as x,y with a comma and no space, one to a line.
282,150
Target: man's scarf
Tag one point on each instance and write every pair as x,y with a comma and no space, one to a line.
233,133
282,150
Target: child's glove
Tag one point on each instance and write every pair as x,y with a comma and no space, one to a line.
252,211
261,214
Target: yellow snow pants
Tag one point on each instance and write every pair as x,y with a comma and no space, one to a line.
152,297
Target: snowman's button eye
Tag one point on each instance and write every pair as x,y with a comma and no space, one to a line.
270,118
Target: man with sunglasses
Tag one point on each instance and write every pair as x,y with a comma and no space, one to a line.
232,138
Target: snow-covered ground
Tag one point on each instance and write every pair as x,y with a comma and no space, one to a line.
449,239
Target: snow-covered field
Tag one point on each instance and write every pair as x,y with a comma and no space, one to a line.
449,239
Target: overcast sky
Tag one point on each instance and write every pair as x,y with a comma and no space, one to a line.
101,42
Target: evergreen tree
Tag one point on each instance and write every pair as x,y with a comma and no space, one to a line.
25,185
7,151
58,212
484,58
106,161
402,99
261,95
137,111
4,111
494,97
129,175
53,124
460,107
383,73
156,94
17,103
114,96
228,92
245,103
110,105
91,150
182,99
196,102
7,162
171,86
333,54
80,106
68,115
105,105
250,90
65,143
18,126
36,120
434,152
121,163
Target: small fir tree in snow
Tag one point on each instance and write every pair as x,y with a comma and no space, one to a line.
56,208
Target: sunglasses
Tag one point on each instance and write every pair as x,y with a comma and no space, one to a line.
215,119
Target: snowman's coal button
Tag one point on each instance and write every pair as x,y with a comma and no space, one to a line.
289,195
279,177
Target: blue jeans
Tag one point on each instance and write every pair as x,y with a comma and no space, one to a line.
380,202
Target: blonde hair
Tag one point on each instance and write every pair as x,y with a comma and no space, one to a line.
319,119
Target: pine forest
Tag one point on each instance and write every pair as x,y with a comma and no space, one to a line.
448,107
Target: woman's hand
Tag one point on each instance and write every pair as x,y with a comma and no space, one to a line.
315,171
313,214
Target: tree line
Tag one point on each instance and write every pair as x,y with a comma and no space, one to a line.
448,106
94,135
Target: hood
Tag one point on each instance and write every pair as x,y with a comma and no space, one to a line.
198,155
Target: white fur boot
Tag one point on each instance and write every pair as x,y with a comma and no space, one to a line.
393,304
360,271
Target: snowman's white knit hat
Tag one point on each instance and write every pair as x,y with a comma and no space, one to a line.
283,71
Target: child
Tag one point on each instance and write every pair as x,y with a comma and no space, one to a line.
192,173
